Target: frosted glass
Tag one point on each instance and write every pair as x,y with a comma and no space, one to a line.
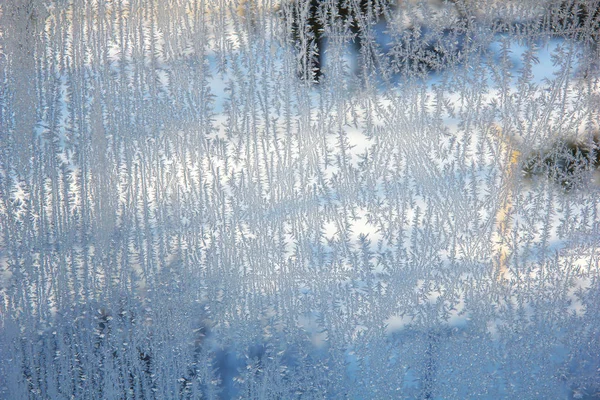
364,199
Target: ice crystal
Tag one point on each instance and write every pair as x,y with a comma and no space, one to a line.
299,199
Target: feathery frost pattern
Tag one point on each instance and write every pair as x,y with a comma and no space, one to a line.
280,199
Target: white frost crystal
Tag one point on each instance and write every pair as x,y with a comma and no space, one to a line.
299,199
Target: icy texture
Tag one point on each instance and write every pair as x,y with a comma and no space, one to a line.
306,199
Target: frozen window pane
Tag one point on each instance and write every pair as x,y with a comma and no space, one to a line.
299,199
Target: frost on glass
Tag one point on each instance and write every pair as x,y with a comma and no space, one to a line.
299,199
